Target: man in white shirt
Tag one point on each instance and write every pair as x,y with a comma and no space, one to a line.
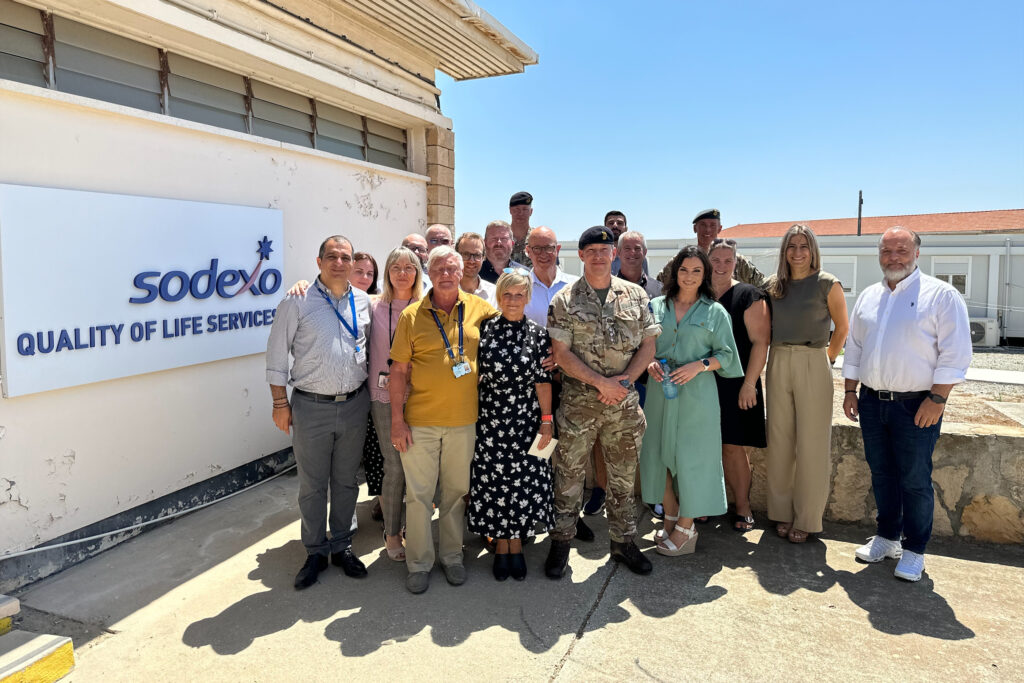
542,247
470,246
909,343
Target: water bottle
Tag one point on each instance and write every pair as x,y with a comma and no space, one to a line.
667,385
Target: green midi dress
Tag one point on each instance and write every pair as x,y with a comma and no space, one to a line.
684,435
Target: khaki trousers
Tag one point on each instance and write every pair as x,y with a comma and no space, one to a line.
437,454
799,462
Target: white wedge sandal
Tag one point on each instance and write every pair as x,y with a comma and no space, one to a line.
660,534
670,549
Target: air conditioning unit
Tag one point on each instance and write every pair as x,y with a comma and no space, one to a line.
984,331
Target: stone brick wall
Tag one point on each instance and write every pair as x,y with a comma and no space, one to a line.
441,169
978,475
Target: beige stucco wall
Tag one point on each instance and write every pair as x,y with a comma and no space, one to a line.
71,457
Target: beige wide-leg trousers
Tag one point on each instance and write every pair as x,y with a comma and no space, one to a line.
799,460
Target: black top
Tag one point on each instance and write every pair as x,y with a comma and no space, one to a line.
488,273
741,427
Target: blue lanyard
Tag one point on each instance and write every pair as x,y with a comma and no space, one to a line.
353,329
444,336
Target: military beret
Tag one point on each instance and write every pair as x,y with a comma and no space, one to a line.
520,198
708,213
597,235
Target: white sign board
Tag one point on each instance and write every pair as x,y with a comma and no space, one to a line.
98,286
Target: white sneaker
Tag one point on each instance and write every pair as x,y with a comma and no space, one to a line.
910,566
879,549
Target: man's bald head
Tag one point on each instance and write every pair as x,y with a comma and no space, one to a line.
438,235
417,243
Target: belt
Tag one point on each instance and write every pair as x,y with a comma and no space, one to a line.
896,395
329,398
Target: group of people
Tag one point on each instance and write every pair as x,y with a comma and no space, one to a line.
450,383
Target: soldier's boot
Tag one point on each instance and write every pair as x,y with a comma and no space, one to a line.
584,532
558,559
628,554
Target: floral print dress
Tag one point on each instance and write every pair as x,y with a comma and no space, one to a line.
510,494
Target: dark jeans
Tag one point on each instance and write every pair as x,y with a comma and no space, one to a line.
899,454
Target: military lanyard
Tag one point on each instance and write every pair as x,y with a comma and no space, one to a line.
444,336
353,329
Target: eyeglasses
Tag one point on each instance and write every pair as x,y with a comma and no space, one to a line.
417,249
402,270
517,271
544,250
444,270
471,256
723,240
438,241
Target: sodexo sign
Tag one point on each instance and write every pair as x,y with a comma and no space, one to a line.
100,286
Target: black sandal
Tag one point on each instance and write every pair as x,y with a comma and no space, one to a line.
742,523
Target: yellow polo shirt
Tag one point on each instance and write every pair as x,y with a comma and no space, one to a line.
438,398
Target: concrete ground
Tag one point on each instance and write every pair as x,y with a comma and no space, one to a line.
210,597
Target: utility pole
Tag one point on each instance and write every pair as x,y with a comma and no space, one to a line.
860,205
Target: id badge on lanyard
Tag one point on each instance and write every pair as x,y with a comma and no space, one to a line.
460,368
353,329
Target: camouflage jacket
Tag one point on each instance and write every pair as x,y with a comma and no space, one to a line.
604,336
747,272
519,254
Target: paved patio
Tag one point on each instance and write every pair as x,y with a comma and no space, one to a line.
210,597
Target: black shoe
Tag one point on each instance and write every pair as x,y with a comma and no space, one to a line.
628,554
596,502
501,566
584,532
517,566
349,563
307,575
558,559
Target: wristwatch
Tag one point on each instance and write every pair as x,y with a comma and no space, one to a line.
706,362
937,398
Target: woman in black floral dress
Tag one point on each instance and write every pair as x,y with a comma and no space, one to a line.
509,490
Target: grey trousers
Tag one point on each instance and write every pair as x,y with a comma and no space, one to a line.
328,445
393,488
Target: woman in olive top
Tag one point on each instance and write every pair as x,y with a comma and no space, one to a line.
806,303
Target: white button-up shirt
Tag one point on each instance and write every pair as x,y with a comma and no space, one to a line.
540,299
485,290
910,337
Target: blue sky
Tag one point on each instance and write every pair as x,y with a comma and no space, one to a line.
769,111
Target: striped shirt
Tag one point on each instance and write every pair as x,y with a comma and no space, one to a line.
324,352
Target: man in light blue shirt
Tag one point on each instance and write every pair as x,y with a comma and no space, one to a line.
543,247
325,330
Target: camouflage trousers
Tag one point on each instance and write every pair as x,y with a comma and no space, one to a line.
582,418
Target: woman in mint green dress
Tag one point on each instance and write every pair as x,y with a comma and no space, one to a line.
681,458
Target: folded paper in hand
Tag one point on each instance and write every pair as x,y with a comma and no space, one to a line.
542,453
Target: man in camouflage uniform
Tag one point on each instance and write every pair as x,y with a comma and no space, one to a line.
707,225
520,208
603,335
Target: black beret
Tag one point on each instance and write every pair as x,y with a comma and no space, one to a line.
708,213
597,235
520,198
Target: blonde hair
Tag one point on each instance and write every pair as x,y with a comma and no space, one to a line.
777,287
396,255
514,279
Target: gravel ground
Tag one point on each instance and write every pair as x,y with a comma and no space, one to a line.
1003,358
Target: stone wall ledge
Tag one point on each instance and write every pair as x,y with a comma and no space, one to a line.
978,477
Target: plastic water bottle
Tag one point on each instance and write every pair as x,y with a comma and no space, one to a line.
667,385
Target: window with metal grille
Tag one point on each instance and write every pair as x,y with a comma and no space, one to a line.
94,63
22,57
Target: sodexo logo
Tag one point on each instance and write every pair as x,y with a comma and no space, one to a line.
175,285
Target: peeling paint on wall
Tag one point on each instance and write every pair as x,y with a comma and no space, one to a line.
9,493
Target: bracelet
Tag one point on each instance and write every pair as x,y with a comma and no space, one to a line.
852,391
546,418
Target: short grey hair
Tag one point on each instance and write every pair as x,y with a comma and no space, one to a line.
900,228
441,254
340,239
631,234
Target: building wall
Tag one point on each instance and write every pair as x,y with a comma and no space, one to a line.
71,457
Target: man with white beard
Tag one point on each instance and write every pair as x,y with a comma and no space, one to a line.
909,343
